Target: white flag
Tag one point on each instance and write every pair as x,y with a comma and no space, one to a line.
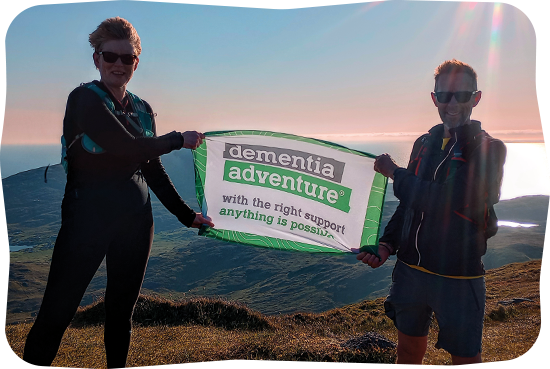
288,192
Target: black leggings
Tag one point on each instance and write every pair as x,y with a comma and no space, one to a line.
89,234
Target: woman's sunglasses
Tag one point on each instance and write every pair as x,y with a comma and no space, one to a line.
460,96
110,57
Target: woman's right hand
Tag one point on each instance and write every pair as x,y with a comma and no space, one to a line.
192,139
202,220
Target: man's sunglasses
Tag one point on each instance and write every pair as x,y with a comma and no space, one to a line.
460,96
110,57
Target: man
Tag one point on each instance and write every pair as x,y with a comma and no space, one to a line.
439,230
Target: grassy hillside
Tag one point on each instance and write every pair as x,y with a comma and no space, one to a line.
206,329
184,265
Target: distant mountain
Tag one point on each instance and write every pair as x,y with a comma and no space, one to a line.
185,264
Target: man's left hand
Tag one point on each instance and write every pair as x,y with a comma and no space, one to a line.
372,260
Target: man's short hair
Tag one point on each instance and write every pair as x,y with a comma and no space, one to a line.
115,28
454,66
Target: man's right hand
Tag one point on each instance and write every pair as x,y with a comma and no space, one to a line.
372,260
385,165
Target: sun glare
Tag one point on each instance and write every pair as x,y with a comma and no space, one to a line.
526,171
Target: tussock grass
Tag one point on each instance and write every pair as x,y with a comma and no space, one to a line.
502,313
157,311
206,329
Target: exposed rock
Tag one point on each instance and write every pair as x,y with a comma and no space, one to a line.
513,301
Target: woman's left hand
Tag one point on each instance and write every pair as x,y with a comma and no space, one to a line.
192,139
202,220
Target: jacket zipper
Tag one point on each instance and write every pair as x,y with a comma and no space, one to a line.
416,239
422,215
449,153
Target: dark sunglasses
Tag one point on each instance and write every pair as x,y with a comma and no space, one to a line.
460,96
110,57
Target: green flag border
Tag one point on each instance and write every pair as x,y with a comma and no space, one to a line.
373,214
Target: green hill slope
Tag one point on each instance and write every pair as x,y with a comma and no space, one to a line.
183,264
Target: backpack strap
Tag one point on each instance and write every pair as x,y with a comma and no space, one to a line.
414,163
64,148
144,117
104,96
463,153
457,157
87,143
144,123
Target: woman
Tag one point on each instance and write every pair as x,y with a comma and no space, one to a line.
112,158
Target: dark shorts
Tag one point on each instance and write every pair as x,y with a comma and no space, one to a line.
458,305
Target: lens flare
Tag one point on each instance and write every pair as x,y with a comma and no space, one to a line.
466,17
494,44
369,6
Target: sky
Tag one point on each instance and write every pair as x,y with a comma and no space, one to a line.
351,71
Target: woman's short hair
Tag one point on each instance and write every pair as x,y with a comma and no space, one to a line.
115,28
455,66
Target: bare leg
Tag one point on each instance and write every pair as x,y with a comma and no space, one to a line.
459,360
410,349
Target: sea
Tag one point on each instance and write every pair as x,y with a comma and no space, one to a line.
526,170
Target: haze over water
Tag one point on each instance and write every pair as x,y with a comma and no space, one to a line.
526,170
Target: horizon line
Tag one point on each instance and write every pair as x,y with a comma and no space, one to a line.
525,135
